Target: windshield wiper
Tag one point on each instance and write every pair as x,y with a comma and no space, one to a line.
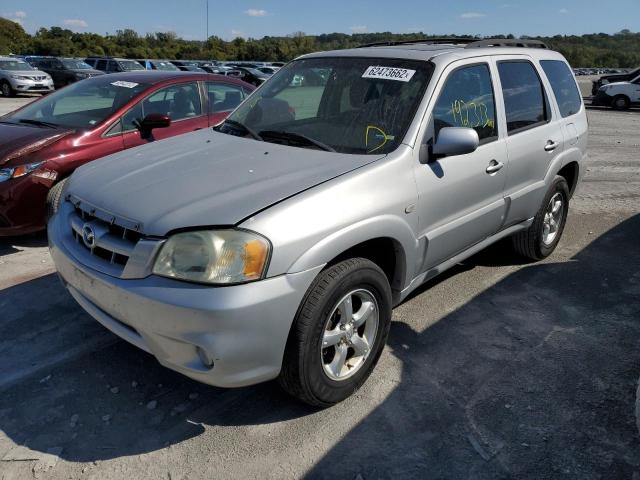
296,137
241,125
38,123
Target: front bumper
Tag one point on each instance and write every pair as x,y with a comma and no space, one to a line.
32,86
22,203
602,99
243,329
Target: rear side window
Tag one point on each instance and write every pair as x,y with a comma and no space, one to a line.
223,97
467,100
525,102
563,85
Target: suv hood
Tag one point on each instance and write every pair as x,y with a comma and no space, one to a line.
27,73
88,71
17,141
203,178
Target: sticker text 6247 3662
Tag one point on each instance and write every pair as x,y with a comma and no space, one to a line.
389,73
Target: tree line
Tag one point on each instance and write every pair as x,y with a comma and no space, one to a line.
594,50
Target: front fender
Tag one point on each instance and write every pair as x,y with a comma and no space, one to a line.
382,226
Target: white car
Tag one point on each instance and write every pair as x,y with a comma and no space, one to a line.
619,95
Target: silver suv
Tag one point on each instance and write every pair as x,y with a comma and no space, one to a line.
276,244
17,76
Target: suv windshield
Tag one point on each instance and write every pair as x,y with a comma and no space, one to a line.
351,105
162,65
130,65
75,64
15,65
82,105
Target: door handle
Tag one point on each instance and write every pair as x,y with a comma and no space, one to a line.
494,166
551,146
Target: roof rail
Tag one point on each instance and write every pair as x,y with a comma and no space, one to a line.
506,42
421,41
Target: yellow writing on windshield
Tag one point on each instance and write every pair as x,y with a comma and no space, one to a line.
471,114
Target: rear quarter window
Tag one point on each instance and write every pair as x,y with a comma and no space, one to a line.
563,85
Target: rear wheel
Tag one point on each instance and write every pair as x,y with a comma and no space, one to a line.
542,237
7,90
621,102
338,334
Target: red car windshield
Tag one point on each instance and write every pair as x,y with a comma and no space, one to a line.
83,105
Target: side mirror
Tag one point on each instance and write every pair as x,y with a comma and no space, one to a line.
451,141
153,120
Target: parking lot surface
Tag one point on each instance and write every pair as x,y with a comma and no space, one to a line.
498,369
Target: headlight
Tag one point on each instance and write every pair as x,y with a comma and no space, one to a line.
19,77
214,256
82,75
19,171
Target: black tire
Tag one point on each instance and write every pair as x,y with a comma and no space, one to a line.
7,90
621,102
53,199
529,243
303,374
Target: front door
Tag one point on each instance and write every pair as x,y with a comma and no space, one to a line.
461,197
181,102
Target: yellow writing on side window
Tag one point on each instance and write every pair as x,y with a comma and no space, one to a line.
471,114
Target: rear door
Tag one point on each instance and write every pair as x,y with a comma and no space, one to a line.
635,90
181,102
222,99
460,198
534,135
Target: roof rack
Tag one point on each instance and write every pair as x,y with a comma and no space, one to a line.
467,42
506,42
421,41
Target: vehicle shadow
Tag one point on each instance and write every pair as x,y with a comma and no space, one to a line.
10,245
532,378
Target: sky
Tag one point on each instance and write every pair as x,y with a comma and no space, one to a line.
257,18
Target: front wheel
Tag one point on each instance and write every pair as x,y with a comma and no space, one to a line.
7,90
542,237
338,334
621,102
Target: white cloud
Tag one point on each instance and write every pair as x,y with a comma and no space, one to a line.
20,14
472,15
254,12
237,33
563,11
358,29
76,22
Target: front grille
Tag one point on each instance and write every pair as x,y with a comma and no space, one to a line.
103,239
37,78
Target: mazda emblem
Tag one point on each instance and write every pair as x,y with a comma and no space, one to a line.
88,236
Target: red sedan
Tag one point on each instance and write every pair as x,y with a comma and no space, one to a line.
42,143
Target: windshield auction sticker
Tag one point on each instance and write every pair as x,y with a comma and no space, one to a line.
121,83
389,73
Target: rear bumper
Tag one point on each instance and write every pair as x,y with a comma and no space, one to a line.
242,329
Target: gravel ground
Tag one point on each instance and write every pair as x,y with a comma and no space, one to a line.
498,369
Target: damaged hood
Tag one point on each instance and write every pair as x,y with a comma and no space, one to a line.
203,178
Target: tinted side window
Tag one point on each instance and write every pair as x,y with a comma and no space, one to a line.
467,100
101,65
563,85
524,98
223,97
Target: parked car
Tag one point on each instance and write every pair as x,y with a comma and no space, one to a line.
64,71
44,142
113,65
619,95
276,245
249,75
188,65
618,77
268,70
164,65
17,76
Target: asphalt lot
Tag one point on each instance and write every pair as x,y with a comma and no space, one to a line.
499,369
